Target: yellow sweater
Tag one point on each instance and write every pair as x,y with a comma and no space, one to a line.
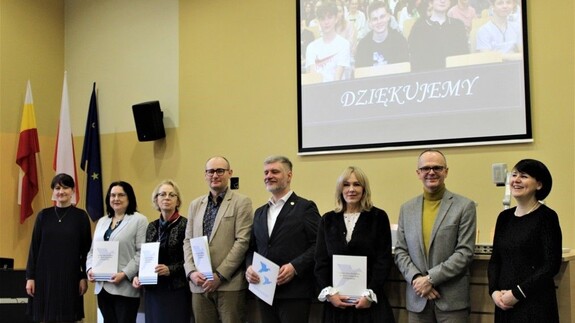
431,204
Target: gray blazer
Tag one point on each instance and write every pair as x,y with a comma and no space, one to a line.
450,254
131,233
228,242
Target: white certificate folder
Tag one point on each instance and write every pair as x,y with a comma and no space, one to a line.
350,275
201,254
268,272
149,254
105,260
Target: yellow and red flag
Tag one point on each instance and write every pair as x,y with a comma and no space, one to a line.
28,147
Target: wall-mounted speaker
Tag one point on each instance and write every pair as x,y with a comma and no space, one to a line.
149,121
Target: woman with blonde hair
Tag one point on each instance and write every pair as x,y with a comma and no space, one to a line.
354,228
172,290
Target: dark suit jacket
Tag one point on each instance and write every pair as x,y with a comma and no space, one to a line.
292,241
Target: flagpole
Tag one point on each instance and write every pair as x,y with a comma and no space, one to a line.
41,188
85,190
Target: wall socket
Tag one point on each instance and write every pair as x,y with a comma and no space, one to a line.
499,173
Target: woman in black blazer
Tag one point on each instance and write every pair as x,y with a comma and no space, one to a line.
354,228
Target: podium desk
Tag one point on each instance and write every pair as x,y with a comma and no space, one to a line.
482,307
13,297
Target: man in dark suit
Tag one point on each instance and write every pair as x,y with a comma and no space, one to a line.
435,245
284,232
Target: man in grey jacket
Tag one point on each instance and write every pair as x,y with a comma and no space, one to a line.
435,245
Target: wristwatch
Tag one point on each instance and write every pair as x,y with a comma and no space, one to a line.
429,280
220,276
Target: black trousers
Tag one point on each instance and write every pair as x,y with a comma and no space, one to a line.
118,309
285,310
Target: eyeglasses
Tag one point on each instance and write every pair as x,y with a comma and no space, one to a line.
427,169
118,195
219,171
165,194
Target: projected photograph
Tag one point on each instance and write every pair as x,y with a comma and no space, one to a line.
400,74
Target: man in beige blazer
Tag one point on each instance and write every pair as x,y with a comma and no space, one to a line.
226,218
435,245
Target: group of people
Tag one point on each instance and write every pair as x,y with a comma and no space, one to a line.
434,250
346,39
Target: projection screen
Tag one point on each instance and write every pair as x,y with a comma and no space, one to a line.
453,83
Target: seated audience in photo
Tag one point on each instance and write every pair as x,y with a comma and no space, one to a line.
306,37
436,37
348,32
479,5
357,18
382,45
409,10
330,54
499,34
307,13
392,5
464,12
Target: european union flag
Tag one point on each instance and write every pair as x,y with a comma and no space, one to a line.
91,156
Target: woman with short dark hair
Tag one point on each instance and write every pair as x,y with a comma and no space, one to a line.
526,250
55,274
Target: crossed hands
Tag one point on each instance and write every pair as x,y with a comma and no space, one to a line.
423,288
504,299
342,302
208,286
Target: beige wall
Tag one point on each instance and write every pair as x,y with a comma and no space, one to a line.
237,97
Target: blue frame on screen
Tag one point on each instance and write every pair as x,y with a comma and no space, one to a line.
480,97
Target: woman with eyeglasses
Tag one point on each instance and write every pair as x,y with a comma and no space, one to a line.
172,291
55,274
526,250
118,300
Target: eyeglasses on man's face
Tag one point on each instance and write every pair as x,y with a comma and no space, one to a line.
427,169
166,194
218,171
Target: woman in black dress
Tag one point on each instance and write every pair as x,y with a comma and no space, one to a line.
526,250
170,299
55,274
354,228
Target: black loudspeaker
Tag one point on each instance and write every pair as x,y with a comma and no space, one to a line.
149,121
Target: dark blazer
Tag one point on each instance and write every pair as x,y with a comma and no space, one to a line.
292,241
371,237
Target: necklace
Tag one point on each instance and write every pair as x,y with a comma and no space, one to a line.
530,210
117,222
58,215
